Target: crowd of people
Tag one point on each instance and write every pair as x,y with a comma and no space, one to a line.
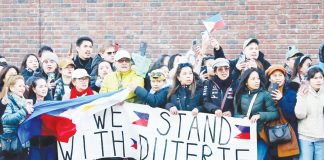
248,87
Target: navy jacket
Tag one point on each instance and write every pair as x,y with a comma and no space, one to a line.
158,99
287,105
183,101
214,92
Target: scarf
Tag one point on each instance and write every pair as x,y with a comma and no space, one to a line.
75,93
19,101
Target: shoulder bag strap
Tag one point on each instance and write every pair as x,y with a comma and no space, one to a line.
251,104
225,97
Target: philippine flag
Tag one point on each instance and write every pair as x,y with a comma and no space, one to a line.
134,143
214,22
60,118
245,132
143,121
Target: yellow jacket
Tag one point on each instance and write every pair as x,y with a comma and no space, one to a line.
116,81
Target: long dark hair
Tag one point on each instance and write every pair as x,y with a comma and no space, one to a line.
298,65
176,83
242,84
171,61
23,63
4,72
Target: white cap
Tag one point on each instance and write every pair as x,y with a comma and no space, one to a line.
47,55
79,73
121,53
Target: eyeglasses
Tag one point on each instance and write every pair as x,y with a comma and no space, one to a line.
181,65
109,53
221,69
124,60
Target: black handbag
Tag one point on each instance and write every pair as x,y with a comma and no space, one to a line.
278,134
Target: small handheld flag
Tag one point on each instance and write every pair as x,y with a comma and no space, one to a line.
214,22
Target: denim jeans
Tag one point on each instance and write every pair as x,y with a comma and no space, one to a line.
311,150
262,149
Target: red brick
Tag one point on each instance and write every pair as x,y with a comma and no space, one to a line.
167,26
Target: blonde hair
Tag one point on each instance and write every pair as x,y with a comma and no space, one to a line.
106,47
12,80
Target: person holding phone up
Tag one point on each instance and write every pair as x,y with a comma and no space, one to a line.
48,71
284,95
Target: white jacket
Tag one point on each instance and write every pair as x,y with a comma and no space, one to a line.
309,110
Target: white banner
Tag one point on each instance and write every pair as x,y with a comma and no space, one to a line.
142,132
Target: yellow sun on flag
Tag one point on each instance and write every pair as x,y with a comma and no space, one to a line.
88,107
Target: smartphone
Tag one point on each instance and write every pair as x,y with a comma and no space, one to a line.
274,86
203,70
241,59
142,48
51,77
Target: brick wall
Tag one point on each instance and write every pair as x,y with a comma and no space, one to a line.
168,26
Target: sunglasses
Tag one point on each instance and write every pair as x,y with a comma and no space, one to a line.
181,65
109,53
124,60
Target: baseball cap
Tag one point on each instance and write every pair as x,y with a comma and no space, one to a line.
293,51
79,73
121,53
221,62
249,41
65,62
157,74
